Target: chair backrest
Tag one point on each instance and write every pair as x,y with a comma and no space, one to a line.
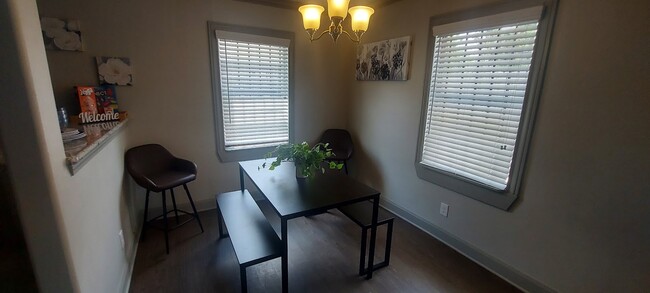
339,141
145,160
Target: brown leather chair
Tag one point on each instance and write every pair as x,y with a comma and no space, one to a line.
340,142
156,169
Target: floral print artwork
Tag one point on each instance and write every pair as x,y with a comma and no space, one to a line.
59,34
115,70
385,60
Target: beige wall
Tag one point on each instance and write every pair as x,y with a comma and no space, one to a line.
170,103
71,222
23,66
171,100
582,223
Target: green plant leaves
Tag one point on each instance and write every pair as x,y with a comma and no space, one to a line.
302,154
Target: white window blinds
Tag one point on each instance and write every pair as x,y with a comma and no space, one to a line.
254,80
478,84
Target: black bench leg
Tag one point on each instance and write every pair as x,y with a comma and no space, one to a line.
389,240
196,215
146,212
164,206
174,202
362,258
220,220
242,277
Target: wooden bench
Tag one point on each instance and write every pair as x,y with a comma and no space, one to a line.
361,214
252,237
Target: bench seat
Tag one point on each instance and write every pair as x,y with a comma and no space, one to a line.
252,237
361,214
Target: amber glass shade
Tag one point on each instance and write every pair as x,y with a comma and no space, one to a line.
311,16
360,17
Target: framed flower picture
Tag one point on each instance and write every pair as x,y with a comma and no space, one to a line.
61,35
384,60
115,70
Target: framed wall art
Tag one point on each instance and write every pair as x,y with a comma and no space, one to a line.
61,34
384,60
115,70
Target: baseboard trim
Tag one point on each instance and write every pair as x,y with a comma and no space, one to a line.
506,272
129,272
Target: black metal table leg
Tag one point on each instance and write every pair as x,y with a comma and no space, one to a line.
220,222
241,178
373,236
362,252
242,277
285,260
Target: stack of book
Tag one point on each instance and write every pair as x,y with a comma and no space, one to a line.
71,134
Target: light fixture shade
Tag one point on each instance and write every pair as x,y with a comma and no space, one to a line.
337,8
311,16
360,17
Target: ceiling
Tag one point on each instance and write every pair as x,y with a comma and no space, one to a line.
294,4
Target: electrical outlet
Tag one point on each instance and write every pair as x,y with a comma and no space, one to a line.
444,209
121,235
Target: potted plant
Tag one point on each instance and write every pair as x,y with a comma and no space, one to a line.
307,159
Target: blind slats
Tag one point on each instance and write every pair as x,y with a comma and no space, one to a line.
255,92
476,96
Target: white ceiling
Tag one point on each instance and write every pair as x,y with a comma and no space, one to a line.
293,4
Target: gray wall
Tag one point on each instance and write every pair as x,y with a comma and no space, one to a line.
171,100
170,103
582,223
71,223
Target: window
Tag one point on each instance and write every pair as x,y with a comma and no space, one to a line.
252,89
484,80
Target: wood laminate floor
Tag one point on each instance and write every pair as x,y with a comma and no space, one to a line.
323,257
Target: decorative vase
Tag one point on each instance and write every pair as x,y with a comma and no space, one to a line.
300,171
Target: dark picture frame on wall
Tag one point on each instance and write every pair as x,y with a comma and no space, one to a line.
384,60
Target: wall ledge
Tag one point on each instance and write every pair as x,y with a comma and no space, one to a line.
79,158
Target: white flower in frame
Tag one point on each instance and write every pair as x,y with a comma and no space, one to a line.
52,26
68,41
114,71
73,25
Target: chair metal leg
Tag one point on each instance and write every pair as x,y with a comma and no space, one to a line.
164,206
196,215
362,258
146,212
242,277
174,202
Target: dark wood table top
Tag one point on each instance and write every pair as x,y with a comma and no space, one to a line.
293,197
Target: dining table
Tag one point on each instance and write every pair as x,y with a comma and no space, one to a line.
293,197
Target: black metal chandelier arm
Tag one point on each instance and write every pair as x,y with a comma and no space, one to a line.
319,36
350,37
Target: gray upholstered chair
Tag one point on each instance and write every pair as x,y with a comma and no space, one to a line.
340,142
154,168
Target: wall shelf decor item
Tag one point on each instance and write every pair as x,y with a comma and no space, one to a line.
60,34
384,60
115,70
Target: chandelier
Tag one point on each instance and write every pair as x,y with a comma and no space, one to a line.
337,11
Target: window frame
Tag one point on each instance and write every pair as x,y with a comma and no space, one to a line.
502,199
253,153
